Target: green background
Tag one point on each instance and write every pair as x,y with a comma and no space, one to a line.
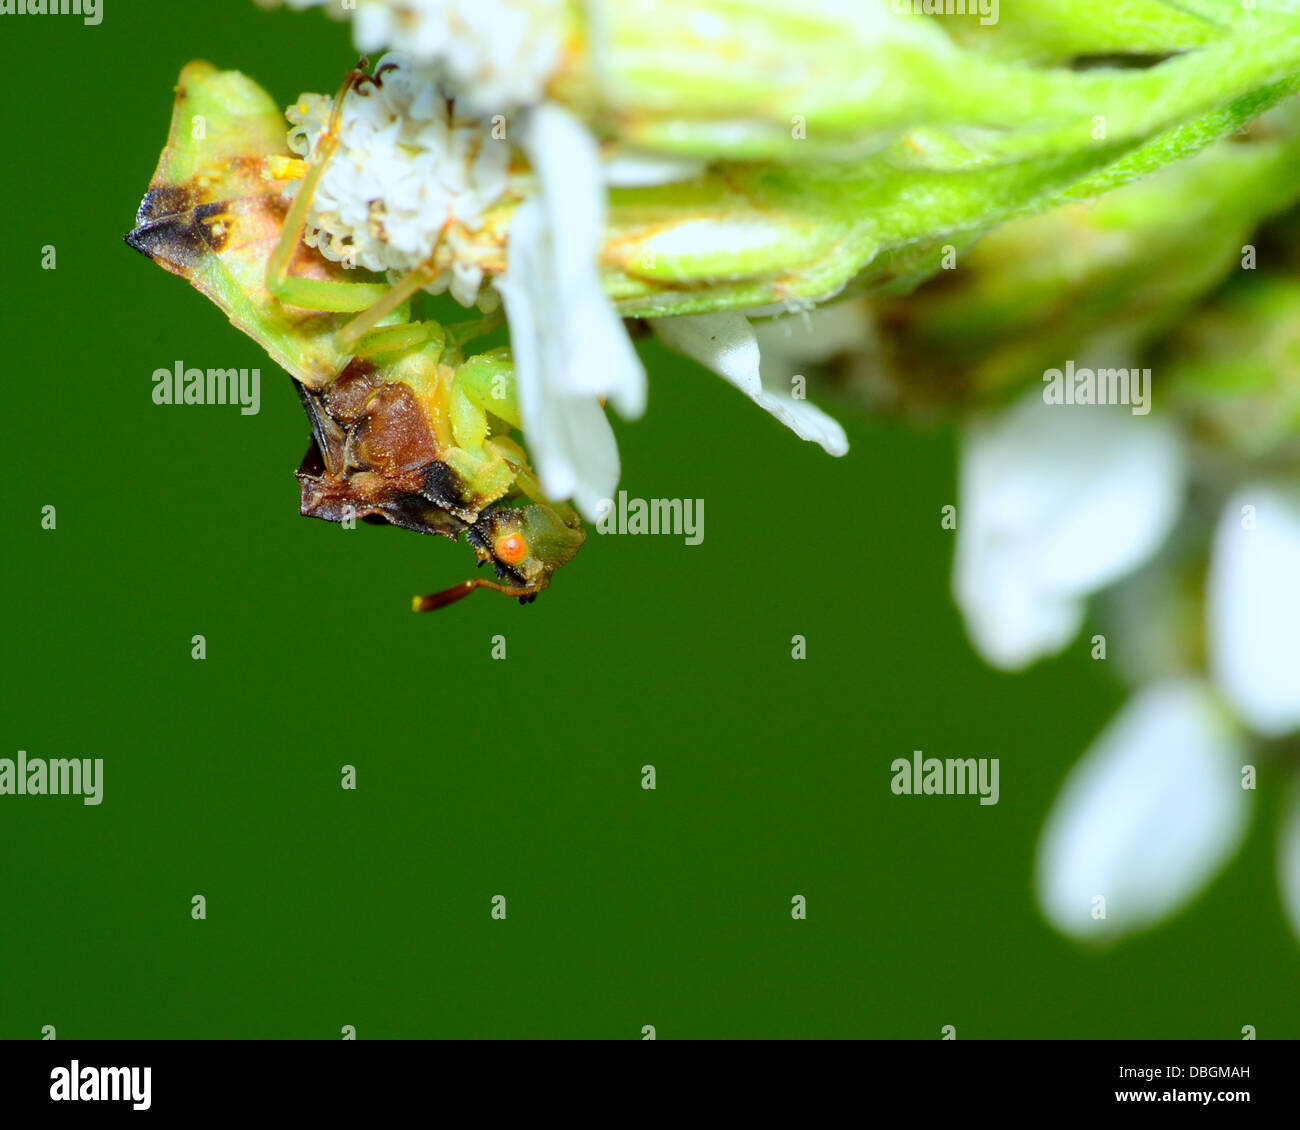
479,777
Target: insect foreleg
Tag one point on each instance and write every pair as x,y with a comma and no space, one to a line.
317,294
400,339
484,384
416,279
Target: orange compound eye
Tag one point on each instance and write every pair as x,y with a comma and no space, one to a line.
511,549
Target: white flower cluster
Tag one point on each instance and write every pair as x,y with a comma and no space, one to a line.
408,177
496,54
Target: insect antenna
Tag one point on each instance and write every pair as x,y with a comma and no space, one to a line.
444,597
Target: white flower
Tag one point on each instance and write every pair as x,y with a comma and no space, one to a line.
1253,607
570,348
1056,503
1157,804
1288,857
728,345
1146,818
408,177
495,55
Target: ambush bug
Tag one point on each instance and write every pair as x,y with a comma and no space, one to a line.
406,429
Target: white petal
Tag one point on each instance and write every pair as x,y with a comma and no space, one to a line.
570,348
1288,858
725,343
1253,609
1013,621
815,335
1056,503
571,442
1147,817
601,360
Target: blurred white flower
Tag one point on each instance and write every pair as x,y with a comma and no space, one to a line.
1056,502
728,345
1288,858
1157,804
1253,607
1149,814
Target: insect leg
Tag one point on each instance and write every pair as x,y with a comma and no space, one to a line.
486,384
317,294
483,384
400,339
456,592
